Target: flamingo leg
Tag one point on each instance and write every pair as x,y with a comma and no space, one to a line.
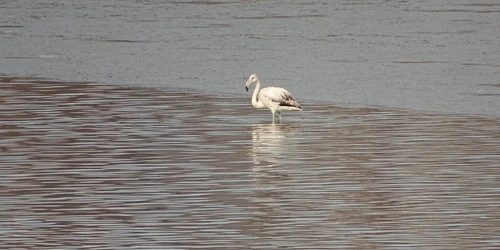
273,115
279,113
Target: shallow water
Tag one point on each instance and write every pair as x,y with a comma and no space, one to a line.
85,165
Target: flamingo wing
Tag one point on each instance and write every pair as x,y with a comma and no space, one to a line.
280,96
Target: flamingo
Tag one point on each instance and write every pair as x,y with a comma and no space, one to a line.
274,98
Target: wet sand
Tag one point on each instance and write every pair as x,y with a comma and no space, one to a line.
431,55
89,165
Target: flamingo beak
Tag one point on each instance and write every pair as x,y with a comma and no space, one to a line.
247,83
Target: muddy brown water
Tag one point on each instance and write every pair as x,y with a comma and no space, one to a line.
88,165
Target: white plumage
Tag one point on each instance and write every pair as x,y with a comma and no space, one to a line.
274,98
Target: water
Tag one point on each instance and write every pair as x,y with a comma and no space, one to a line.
91,165
429,55
87,165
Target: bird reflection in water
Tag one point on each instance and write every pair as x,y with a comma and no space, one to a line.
272,143
273,147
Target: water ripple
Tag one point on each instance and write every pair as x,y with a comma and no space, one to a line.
93,166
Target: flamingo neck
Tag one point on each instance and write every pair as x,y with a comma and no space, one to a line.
256,103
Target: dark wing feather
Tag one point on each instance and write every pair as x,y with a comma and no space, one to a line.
281,96
286,99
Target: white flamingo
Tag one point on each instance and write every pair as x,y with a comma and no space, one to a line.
274,98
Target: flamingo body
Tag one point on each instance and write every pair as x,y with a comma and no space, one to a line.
274,98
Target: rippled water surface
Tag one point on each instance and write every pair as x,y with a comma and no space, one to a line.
86,165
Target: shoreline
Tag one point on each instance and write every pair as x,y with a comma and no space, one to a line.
5,78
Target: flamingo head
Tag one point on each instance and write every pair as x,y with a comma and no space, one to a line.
253,78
